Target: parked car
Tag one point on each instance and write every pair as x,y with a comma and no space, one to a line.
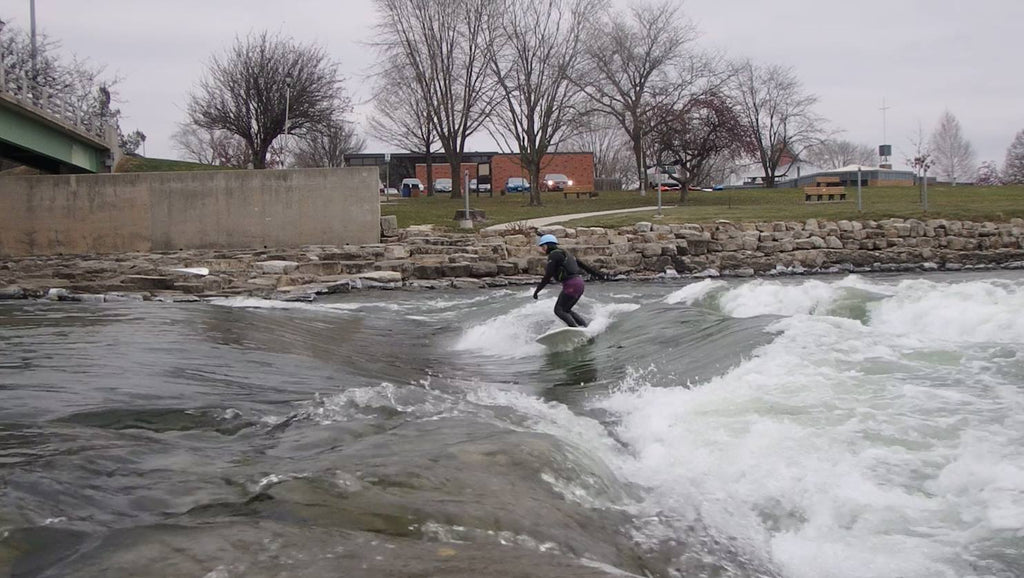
517,185
483,186
413,186
391,192
669,186
413,183
472,185
556,182
442,185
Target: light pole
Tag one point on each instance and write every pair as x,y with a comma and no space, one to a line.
924,188
860,206
467,221
287,103
32,18
3,68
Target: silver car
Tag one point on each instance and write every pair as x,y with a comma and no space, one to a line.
442,185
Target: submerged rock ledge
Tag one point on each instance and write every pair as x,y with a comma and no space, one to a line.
422,258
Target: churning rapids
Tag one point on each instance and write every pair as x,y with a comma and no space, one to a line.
860,426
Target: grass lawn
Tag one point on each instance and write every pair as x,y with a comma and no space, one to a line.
440,209
998,204
130,164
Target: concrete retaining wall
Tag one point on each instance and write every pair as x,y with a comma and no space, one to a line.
79,214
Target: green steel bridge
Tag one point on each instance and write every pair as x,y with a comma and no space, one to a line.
45,131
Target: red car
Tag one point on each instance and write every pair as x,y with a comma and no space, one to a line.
556,182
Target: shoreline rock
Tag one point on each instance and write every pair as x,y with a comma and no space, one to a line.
420,258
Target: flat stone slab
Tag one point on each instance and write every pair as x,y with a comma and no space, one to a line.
12,292
381,276
275,267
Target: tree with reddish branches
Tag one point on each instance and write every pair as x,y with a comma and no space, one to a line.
693,133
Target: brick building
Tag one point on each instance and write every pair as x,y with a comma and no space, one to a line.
578,166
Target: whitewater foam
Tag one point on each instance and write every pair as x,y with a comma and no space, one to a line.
513,334
847,448
970,312
695,292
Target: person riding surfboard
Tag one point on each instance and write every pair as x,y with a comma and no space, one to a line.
564,268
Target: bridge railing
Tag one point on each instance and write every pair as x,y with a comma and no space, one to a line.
55,104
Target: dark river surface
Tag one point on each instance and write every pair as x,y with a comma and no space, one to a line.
847,426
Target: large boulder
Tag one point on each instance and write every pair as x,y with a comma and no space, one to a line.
388,226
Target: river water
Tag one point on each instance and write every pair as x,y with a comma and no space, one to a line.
809,427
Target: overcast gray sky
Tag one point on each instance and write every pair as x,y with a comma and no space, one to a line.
921,56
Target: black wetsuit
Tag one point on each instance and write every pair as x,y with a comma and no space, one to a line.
565,269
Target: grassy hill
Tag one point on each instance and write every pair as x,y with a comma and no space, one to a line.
132,164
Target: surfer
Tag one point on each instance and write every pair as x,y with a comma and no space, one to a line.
565,269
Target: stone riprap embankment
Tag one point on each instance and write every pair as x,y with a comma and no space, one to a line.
421,258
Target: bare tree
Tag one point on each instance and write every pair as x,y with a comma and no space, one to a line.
722,167
444,45
212,147
1013,167
921,161
952,152
259,81
836,154
79,82
630,65
48,70
693,135
778,114
988,175
538,47
403,120
613,155
327,146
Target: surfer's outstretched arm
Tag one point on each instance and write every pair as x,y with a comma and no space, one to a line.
549,272
593,272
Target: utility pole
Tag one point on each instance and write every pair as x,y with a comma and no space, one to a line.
288,79
3,79
884,109
32,17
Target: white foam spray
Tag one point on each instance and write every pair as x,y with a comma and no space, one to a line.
512,335
845,448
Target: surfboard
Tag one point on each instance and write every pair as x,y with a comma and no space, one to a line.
563,338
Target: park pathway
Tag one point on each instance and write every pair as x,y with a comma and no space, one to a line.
544,221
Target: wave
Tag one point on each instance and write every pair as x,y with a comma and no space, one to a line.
872,444
512,334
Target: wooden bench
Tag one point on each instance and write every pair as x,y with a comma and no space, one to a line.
824,194
579,192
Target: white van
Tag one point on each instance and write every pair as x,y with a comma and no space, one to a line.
415,187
